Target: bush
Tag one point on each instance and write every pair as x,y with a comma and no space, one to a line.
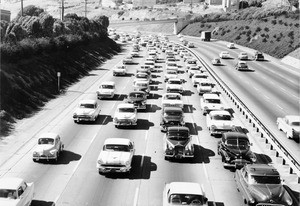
267,29
264,40
31,10
238,37
258,29
274,21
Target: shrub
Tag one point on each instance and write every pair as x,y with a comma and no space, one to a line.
296,25
31,10
267,29
280,21
274,21
264,40
291,34
238,37
258,29
248,33
285,24
247,27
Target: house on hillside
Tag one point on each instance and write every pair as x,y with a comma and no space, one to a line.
5,15
214,2
142,3
192,1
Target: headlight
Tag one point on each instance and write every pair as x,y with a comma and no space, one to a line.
100,161
53,151
116,118
74,115
213,127
127,163
35,153
170,147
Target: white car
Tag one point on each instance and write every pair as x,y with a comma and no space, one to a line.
231,46
134,54
115,156
15,191
151,64
290,125
194,70
190,62
170,74
106,90
87,110
128,60
49,147
205,86
184,193
224,55
182,53
141,85
198,77
219,121
172,100
125,115
119,70
171,66
174,85
210,102
216,61
190,45
243,56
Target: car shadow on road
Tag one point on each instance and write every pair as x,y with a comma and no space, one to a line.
154,96
152,108
262,158
210,203
65,158
144,124
141,168
187,93
194,128
41,203
294,195
101,120
188,108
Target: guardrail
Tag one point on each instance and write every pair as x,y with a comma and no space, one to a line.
286,154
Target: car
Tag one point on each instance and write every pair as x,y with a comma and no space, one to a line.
243,56
259,56
234,148
49,147
15,191
144,68
170,74
216,62
171,116
242,66
116,156
87,110
290,125
128,60
138,98
219,121
205,86
119,70
171,66
133,53
194,70
224,55
231,46
190,62
261,184
210,102
142,76
172,100
184,193
187,56
125,115
106,90
182,53
185,42
141,85
178,143
151,64
190,45
198,77
174,85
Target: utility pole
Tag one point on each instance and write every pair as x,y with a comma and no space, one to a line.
85,8
21,7
62,10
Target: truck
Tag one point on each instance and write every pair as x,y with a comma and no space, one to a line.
205,36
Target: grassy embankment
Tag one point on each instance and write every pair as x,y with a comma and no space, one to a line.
29,66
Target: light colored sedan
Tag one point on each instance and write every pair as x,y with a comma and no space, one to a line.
219,121
231,46
106,90
125,115
87,110
243,56
224,55
115,156
290,125
15,192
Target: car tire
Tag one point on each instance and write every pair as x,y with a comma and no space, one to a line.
34,160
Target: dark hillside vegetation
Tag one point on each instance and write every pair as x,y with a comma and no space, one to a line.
30,61
274,31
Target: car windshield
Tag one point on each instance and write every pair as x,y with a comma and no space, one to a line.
172,96
107,86
241,143
136,95
149,63
86,105
173,113
129,110
295,123
195,68
171,72
178,135
6,193
186,199
205,84
141,84
115,147
221,117
171,65
243,65
213,101
46,141
264,179
174,82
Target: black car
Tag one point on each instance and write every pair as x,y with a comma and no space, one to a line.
259,56
178,143
138,98
234,148
171,116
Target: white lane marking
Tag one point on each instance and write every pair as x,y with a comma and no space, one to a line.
142,161
279,107
255,88
136,195
205,170
266,97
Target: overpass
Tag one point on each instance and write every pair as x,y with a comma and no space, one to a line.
179,23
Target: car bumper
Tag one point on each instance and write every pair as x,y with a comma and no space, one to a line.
83,118
237,163
163,127
103,169
106,96
220,131
178,156
44,157
124,123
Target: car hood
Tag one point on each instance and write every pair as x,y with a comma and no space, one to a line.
43,147
274,193
174,86
235,150
221,123
173,118
9,202
114,157
174,143
171,75
296,128
125,115
205,87
83,111
214,106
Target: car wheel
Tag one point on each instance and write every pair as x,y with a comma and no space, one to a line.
75,121
116,126
34,160
223,158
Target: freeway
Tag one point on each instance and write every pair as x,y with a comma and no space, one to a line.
74,180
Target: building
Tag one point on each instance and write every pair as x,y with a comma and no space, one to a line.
191,1
143,3
5,15
214,2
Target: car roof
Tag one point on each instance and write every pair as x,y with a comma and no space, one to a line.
178,128
172,109
10,183
185,188
120,141
126,105
51,135
210,96
261,169
108,83
242,62
219,112
172,93
88,101
137,92
235,135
